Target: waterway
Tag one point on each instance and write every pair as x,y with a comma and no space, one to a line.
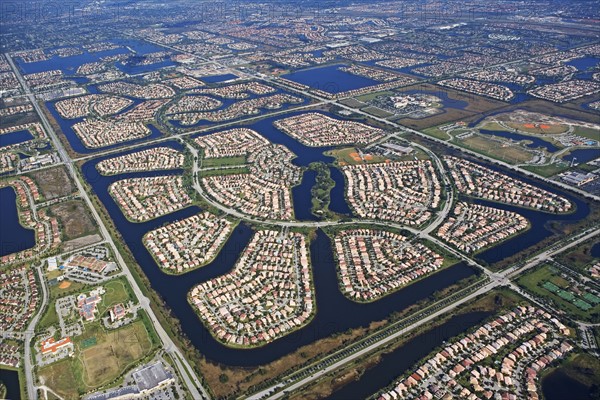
595,250
13,236
584,63
539,221
335,312
337,194
8,139
302,198
394,364
557,385
329,299
229,102
10,379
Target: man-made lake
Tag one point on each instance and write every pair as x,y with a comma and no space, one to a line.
557,385
218,78
330,79
229,102
70,64
595,250
330,301
8,139
13,236
337,195
582,155
584,63
302,198
535,141
10,379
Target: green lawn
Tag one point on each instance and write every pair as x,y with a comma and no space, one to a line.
117,291
492,126
368,97
436,132
545,283
224,171
50,317
587,132
223,161
75,287
547,170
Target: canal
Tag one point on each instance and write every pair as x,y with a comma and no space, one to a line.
392,365
335,313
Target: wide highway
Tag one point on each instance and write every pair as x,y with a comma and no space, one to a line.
185,370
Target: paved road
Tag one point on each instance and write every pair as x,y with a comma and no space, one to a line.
556,249
191,380
30,333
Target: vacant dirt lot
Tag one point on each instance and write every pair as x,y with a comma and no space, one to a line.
74,218
53,182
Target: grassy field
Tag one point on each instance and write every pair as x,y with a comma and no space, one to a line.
547,170
351,102
224,171
117,291
436,132
492,126
101,357
539,129
76,287
349,156
587,132
223,161
513,154
60,377
49,319
378,112
532,281
114,352
368,97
